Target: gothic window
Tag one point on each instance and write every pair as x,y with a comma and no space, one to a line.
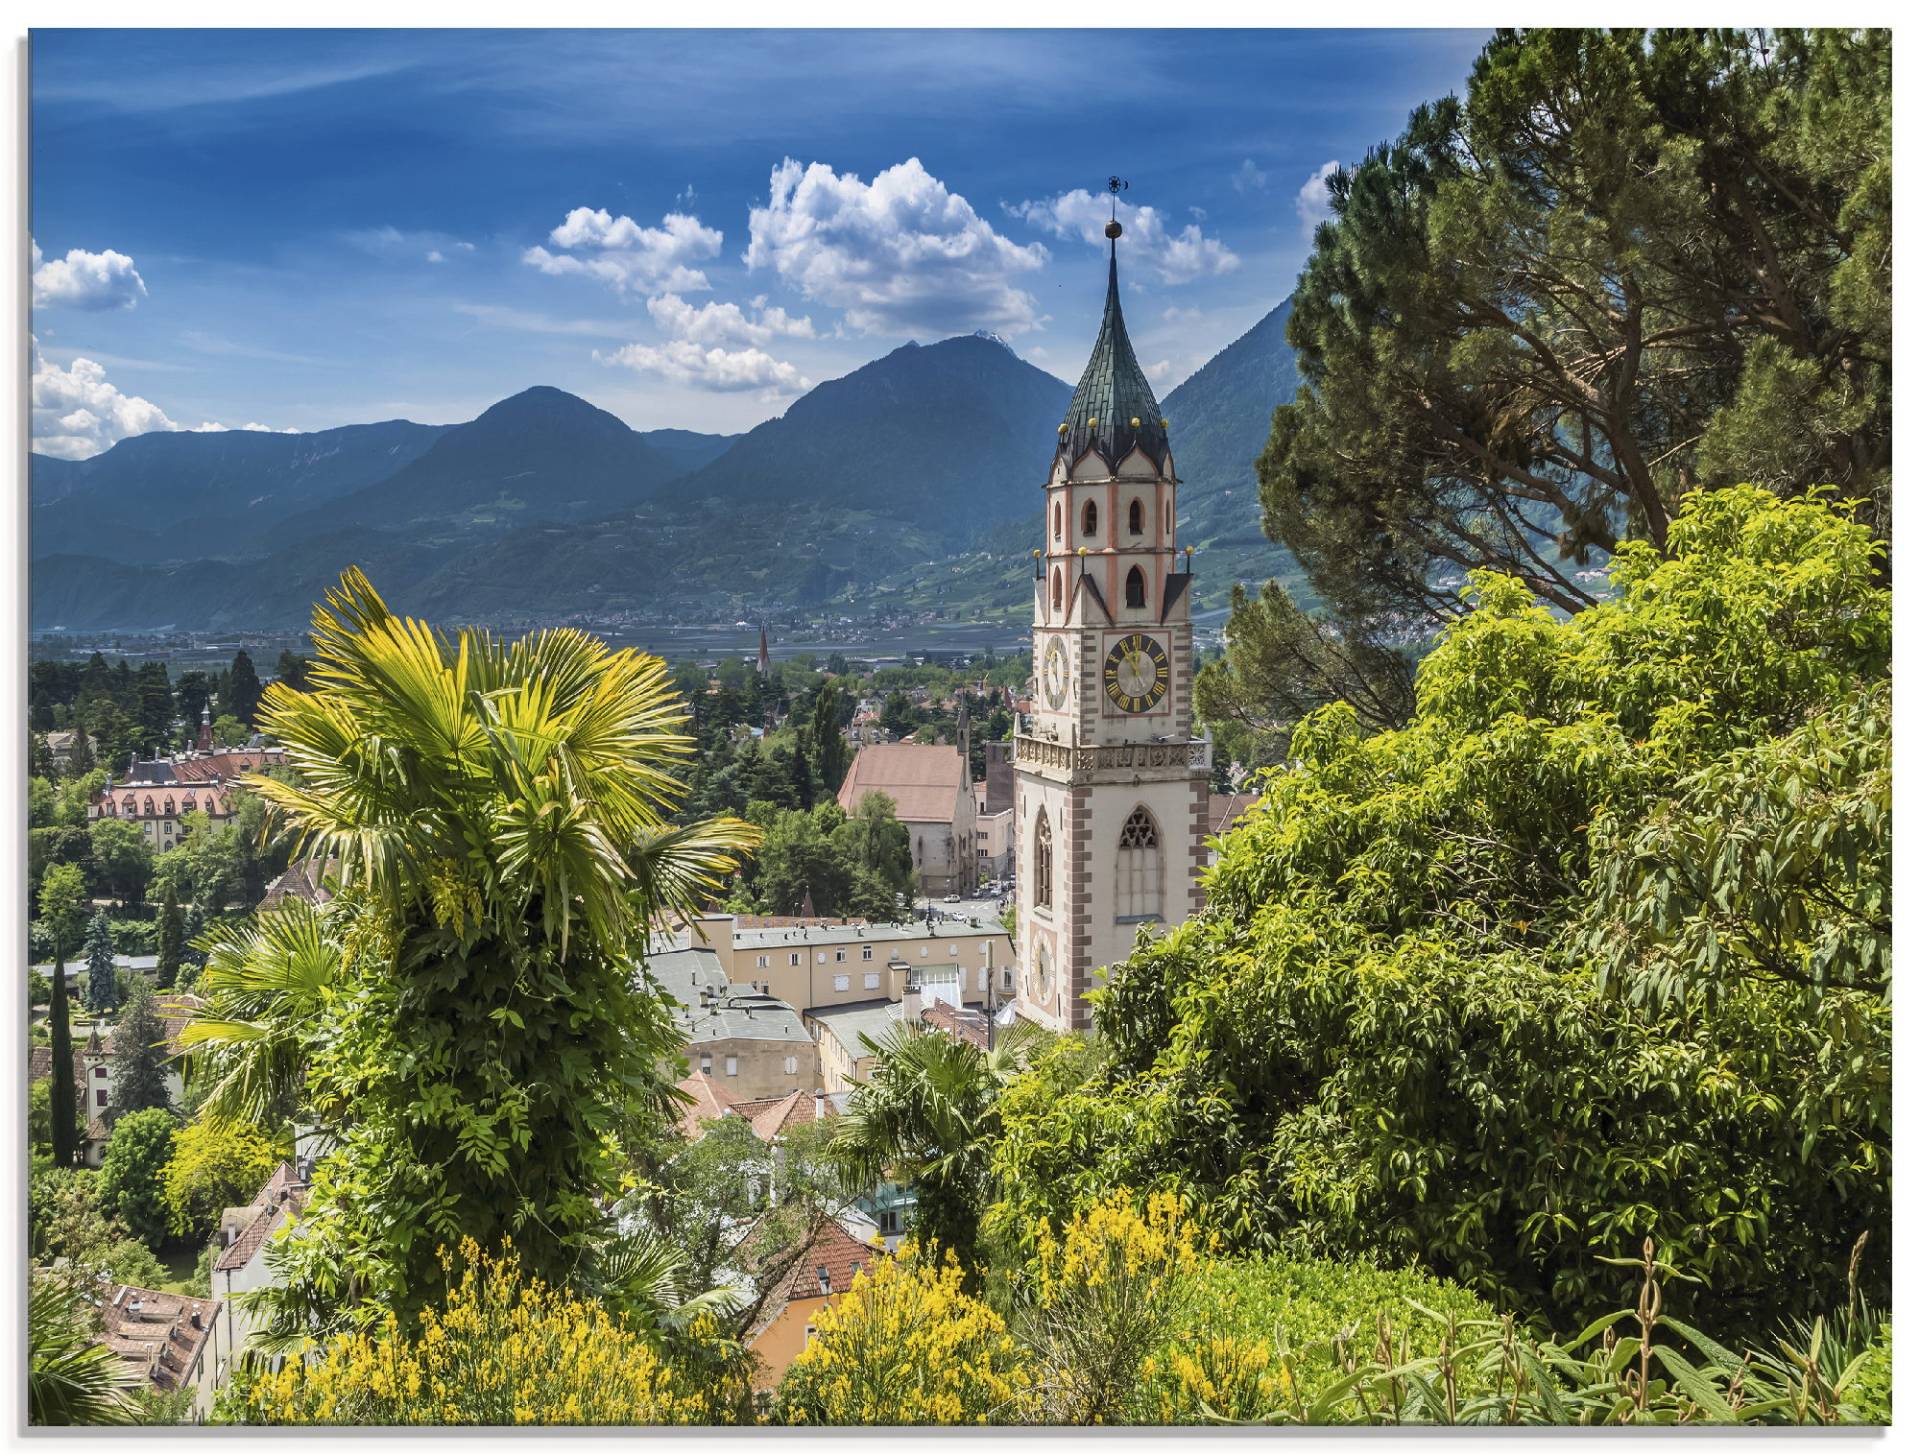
1058,580
1136,519
1090,519
1169,519
1140,867
1059,519
1043,862
1136,589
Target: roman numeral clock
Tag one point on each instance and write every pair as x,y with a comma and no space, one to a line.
1111,784
1137,674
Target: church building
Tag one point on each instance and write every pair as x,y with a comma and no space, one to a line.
1111,791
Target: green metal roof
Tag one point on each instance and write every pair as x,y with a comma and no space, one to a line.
1113,393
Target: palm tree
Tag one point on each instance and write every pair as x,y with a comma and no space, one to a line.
265,985
468,1010
71,1379
928,1115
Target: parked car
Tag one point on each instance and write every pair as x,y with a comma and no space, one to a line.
951,899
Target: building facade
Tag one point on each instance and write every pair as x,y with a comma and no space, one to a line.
1111,799
933,796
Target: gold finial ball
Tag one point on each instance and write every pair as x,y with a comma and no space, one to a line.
1063,429
1092,422
1083,550
1189,550
1114,229
1135,421
1036,554
1163,423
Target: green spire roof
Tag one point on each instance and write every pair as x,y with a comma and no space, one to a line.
1114,393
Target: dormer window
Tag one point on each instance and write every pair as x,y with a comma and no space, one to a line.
826,1279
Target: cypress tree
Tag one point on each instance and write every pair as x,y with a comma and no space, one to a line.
167,940
63,897
103,989
80,760
243,688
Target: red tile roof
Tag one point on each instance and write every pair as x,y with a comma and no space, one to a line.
156,1335
710,1102
282,1196
772,1115
925,782
1225,809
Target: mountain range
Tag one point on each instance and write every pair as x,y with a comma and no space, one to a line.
907,487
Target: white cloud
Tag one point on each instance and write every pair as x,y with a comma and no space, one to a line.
1312,202
211,427
91,280
77,413
1157,372
1249,178
715,370
1180,315
626,256
434,255
1179,257
722,323
898,253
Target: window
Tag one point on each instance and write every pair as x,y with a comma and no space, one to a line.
187,806
760,961
99,1072
793,1065
1043,862
867,952
793,959
841,981
149,807
99,1098
706,1065
733,1065
889,1222
983,979
127,804
1136,519
1006,978
1140,867
1058,580
1136,589
839,956
1059,520
953,951
1169,520
985,947
809,1332
871,980
1090,519
923,951
169,807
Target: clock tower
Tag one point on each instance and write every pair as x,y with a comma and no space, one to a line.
1111,788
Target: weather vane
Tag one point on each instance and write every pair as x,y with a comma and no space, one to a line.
1115,186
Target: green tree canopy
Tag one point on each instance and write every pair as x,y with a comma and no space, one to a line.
131,1186
139,1054
1594,949
103,987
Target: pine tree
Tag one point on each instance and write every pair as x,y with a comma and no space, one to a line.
139,1056
829,743
167,941
243,688
802,770
103,990
80,759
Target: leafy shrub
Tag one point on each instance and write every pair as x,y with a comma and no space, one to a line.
213,1166
502,1349
906,1345
131,1174
66,1221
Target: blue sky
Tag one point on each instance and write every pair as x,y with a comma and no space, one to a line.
299,229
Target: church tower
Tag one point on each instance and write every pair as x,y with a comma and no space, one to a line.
1111,782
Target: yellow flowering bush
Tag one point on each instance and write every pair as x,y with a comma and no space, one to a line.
502,1350
906,1345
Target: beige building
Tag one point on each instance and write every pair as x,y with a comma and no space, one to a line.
816,964
1112,783
242,1265
933,797
160,792
751,1044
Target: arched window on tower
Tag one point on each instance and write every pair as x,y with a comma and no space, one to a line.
1139,867
1043,862
1058,581
1090,519
1059,520
1136,519
1169,520
1136,589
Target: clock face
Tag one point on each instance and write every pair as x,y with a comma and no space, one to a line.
1137,675
1053,673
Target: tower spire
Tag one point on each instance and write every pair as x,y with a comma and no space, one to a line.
1113,409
